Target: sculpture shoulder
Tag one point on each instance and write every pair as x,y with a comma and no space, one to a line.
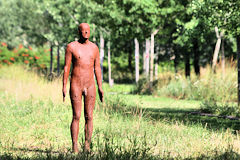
93,45
71,45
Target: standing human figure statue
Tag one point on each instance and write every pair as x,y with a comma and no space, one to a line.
84,56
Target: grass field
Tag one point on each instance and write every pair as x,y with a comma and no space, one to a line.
34,124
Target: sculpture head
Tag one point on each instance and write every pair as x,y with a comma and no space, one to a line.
84,31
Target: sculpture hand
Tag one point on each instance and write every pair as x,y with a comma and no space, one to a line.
64,93
100,93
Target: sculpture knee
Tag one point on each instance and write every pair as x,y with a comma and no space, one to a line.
76,117
88,117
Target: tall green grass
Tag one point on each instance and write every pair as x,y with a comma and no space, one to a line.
36,126
217,91
219,86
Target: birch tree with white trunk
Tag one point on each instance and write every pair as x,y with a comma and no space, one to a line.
144,55
223,58
110,80
136,59
152,55
156,63
147,57
101,53
217,48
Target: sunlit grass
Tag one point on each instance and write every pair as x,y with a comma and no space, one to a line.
34,121
220,86
23,84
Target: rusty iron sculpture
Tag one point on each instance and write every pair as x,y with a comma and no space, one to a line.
84,56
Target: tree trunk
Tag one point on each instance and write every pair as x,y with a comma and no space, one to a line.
175,59
147,57
101,53
110,81
144,58
51,59
58,60
196,57
136,59
175,65
156,63
238,57
94,38
217,48
223,58
152,58
187,64
129,50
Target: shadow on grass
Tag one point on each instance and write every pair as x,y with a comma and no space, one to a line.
35,150
173,115
105,153
112,155
183,115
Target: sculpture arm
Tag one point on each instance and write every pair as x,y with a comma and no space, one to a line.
67,66
97,70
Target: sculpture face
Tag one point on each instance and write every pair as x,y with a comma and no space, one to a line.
84,30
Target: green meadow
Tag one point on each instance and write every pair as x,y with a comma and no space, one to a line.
174,66
34,124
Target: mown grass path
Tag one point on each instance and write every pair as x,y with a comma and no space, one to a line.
35,124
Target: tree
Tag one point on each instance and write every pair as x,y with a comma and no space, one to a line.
136,59
101,52
217,48
21,22
110,80
152,56
58,60
226,16
147,56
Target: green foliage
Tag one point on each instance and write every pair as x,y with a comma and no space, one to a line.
224,14
178,88
121,73
213,107
209,86
36,59
108,153
21,22
180,23
143,85
212,89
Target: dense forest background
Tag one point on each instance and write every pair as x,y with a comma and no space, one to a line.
171,34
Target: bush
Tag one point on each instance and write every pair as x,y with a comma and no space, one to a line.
38,59
220,109
143,85
209,86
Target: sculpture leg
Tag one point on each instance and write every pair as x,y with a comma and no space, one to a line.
76,100
89,103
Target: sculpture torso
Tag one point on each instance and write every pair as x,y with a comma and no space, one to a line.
83,56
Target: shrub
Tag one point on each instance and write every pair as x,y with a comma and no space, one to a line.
209,86
37,59
213,107
143,85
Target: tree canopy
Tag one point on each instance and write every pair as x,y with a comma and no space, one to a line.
183,25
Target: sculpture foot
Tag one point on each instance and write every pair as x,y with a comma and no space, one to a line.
87,148
75,149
